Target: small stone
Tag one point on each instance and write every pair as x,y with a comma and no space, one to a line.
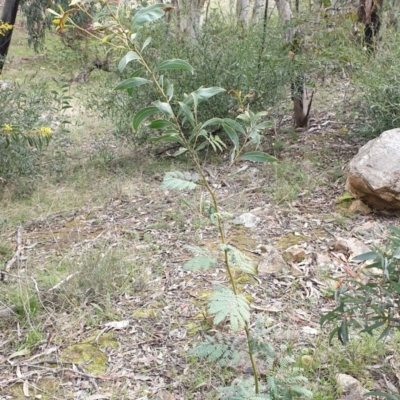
248,220
351,247
271,262
357,247
323,260
295,254
358,207
349,387
341,246
295,270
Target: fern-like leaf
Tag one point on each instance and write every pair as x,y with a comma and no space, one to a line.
180,180
200,263
239,260
196,250
242,390
226,304
202,260
216,351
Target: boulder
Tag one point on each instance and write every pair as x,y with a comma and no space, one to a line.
374,173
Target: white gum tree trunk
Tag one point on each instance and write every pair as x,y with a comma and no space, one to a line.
191,15
242,11
284,10
256,12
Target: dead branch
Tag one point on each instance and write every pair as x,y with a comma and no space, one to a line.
68,278
15,257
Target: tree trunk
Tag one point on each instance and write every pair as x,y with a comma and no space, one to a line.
301,97
284,10
8,16
242,11
368,14
190,15
256,13
302,101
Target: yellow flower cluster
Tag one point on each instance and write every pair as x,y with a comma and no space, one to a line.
45,131
4,28
6,130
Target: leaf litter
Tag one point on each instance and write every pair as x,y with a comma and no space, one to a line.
155,325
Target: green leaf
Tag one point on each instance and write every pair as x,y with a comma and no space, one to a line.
302,391
170,91
213,121
196,250
127,58
187,113
200,263
365,256
225,304
261,114
257,156
203,94
216,351
234,125
174,64
182,150
343,332
265,125
131,83
161,124
239,260
165,108
170,137
142,115
180,180
396,253
147,14
146,43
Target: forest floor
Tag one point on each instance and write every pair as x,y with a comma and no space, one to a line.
108,312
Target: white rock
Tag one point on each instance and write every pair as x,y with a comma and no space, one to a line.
248,220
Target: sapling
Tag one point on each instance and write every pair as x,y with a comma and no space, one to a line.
177,122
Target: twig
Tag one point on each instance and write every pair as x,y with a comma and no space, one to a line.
4,274
248,190
39,370
68,278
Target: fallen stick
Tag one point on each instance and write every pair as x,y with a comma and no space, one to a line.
68,278
4,274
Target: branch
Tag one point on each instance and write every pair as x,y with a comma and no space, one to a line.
15,257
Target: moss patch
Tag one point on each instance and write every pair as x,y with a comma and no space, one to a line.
290,240
89,354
